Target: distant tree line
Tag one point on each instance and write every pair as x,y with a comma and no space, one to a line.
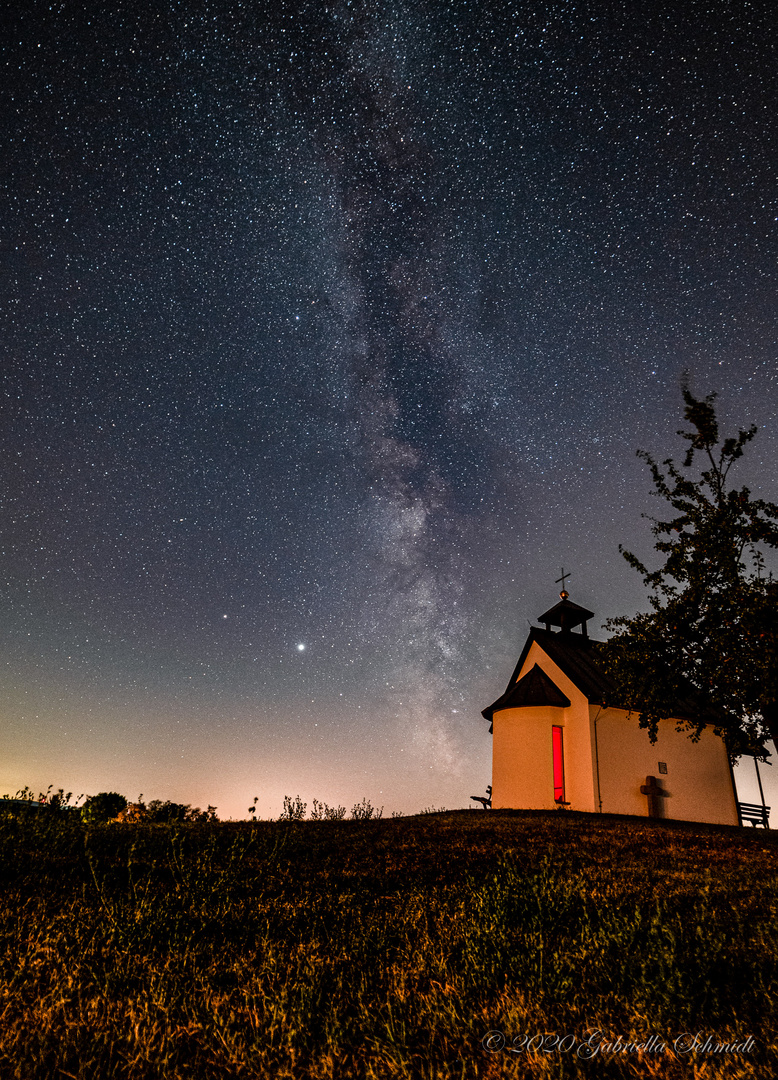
111,806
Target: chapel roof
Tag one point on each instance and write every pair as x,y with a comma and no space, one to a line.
575,654
535,688
579,657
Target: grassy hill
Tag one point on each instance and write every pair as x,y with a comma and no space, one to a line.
387,948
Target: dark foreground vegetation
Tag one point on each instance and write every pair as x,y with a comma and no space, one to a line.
386,948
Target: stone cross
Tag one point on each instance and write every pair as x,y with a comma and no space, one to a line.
653,789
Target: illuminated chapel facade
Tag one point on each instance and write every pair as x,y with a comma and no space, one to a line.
559,742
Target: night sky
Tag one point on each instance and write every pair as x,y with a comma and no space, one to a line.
330,332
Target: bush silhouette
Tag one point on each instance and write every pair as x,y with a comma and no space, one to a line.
103,807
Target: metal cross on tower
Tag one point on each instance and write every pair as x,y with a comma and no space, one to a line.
564,592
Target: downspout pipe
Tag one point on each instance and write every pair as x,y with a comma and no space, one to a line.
597,760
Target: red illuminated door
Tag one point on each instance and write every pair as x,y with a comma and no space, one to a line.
557,746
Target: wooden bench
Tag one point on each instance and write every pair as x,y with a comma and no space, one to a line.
485,801
755,813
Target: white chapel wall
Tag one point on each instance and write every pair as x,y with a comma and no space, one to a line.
522,765
697,782
522,777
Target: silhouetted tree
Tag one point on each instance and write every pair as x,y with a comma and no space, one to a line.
103,807
167,813
712,630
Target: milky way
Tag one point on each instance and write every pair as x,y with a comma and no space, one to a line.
339,327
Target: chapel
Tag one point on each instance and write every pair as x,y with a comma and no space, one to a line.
559,740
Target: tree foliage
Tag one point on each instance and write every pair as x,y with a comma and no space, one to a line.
110,806
708,648
103,807
168,813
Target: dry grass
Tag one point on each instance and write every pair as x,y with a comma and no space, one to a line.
382,948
